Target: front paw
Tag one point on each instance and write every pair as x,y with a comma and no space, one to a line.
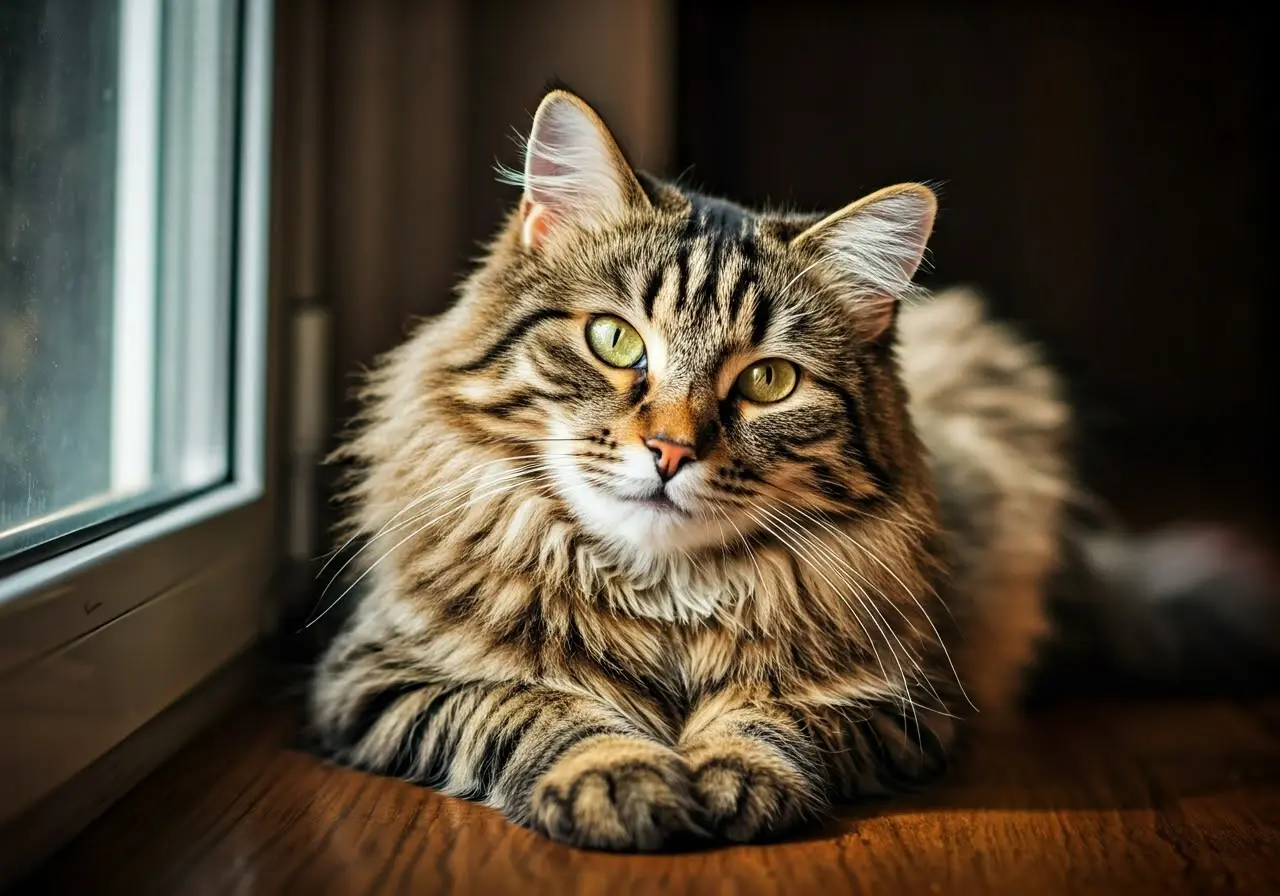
616,792
747,791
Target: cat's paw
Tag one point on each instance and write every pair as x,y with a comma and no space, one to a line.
616,792
748,792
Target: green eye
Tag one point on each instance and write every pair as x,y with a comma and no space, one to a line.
768,381
615,341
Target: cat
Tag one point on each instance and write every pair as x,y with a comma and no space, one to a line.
688,521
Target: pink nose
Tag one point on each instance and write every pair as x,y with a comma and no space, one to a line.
669,455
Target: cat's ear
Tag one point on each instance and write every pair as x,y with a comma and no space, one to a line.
574,172
873,247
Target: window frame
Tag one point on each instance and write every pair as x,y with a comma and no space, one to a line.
100,639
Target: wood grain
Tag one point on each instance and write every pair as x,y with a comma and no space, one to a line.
1161,798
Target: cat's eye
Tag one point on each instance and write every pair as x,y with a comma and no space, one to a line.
768,381
614,341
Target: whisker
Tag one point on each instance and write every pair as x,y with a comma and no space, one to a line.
532,441
802,273
764,523
506,487
938,635
746,544
388,528
798,535
903,698
541,462
470,473
835,556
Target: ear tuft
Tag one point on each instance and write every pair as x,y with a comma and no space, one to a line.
873,247
574,172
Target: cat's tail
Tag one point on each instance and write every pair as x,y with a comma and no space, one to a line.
1180,611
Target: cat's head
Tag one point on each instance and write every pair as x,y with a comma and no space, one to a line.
681,371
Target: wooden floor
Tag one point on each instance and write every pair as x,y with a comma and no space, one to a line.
1154,798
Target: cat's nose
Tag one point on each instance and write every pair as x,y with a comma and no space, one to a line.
669,456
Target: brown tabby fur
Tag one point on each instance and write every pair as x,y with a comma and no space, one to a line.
863,564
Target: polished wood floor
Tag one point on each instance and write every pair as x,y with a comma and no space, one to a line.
1124,798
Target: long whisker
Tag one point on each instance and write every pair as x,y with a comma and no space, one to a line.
875,621
834,590
910,525
904,699
469,474
533,441
802,273
542,462
506,487
938,635
539,462
940,707
841,508
746,544
798,533
388,528
836,557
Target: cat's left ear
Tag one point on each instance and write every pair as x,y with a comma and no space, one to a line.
574,173
873,247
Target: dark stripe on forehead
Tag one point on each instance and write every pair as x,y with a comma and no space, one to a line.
762,316
710,286
692,226
682,276
613,270
720,229
521,329
719,214
746,277
747,243
651,290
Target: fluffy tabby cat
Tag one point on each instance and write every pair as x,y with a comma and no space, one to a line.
681,522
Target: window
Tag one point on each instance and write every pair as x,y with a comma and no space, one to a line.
114,289
134,513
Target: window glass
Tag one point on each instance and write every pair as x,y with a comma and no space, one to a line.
116,146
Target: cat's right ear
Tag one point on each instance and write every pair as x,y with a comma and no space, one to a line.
574,173
873,247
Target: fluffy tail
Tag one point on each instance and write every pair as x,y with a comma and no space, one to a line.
1181,611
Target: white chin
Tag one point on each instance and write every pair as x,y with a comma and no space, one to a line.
641,528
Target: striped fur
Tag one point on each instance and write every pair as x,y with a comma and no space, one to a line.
788,623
